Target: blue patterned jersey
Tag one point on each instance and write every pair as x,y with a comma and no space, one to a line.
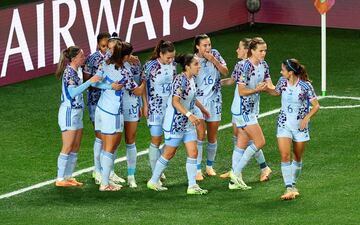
129,99
295,102
176,122
91,66
158,86
71,79
236,104
110,100
208,80
250,75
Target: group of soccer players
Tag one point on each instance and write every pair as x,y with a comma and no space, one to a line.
183,107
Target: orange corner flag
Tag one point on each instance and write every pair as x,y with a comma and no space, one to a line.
323,5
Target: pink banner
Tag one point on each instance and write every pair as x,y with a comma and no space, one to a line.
33,35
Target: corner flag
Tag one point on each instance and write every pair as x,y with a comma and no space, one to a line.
323,5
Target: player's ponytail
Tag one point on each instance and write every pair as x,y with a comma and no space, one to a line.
68,54
121,49
303,73
298,69
184,60
162,47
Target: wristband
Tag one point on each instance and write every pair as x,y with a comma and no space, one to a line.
188,114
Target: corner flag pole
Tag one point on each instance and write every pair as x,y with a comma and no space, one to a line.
323,54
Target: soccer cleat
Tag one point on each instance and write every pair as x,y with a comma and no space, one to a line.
155,187
289,194
97,178
73,180
115,178
199,176
225,175
109,187
265,174
296,191
64,183
210,171
115,184
162,177
236,182
132,182
196,190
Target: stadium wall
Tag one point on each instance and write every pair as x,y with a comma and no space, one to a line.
344,14
33,35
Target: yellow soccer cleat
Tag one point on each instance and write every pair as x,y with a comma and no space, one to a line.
196,190
155,187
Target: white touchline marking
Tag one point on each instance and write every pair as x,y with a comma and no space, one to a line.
144,152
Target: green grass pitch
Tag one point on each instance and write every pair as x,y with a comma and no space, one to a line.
329,184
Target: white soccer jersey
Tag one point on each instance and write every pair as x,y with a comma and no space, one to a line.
130,101
71,79
158,85
295,102
111,100
250,75
175,122
208,80
91,66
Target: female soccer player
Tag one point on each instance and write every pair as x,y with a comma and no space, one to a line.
113,40
209,94
179,124
108,113
71,112
92,64
293,122
158,73
131,109
252,77
242,54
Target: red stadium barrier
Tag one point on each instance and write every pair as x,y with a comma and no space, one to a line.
344,14
32,35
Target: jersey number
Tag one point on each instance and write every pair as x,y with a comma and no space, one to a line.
290,110
166,88
208,80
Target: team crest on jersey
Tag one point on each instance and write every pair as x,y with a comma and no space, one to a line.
100,66
71,82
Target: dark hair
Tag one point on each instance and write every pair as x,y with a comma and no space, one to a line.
197,40
162,47
115,37
121,49
298,69
184,60
254,44
68,53
102,36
